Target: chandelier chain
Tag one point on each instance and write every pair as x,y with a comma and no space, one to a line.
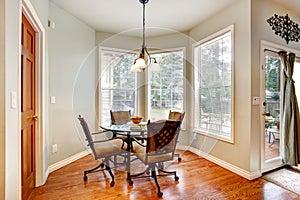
144,22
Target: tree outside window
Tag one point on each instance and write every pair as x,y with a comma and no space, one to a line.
166,87
117,82
272,90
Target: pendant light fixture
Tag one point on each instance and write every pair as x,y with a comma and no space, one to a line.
144,60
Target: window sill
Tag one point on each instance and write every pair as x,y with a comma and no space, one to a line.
214,136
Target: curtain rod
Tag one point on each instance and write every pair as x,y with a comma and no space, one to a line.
277,52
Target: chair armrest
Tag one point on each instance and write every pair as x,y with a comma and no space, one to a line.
137,140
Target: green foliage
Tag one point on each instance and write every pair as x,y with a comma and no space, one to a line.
167,85
215,76
118,86
121,71
272,74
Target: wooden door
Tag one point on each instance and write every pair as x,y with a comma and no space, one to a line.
28,118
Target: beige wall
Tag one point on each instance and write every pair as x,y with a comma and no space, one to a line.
2,101
72,80
236,154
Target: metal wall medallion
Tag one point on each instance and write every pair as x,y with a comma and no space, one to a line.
285,28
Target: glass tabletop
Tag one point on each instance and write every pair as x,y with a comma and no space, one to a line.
129,127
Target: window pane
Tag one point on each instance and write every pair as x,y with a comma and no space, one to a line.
166,88
214,65
117,82
272,104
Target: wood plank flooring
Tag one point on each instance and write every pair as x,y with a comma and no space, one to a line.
198,179
271,149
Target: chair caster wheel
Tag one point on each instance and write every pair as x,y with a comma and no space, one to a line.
130,183
179,159
160,194
112,184
176,178
85,178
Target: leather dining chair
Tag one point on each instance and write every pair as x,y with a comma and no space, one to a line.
176,115
160,147
102,150
118,118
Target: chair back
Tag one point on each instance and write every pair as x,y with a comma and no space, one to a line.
175,115
120,117
162,136
87,134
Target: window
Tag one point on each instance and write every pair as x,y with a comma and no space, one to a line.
117,83
166,88
213,85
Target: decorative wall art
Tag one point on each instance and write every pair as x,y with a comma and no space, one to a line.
285,28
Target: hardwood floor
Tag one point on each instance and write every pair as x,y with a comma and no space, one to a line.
198,179
271,147
271,150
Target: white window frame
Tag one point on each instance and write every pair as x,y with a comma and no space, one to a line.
183,49
100,49
196,81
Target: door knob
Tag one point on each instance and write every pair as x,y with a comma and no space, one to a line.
266,114
35,117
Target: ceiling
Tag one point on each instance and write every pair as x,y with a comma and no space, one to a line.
293,5
162,16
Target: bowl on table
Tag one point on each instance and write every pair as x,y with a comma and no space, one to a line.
136,119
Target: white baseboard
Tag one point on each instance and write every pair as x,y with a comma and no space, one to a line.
222,163
66,161
46,175
182,147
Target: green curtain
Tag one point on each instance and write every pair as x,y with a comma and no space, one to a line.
290,128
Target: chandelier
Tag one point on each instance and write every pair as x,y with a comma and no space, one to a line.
144,59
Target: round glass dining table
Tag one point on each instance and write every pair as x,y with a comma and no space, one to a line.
124,129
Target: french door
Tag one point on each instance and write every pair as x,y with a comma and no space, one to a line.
272,101
271,85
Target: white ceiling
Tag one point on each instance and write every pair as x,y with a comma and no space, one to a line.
125,16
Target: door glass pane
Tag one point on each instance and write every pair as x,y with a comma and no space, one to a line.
272,107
